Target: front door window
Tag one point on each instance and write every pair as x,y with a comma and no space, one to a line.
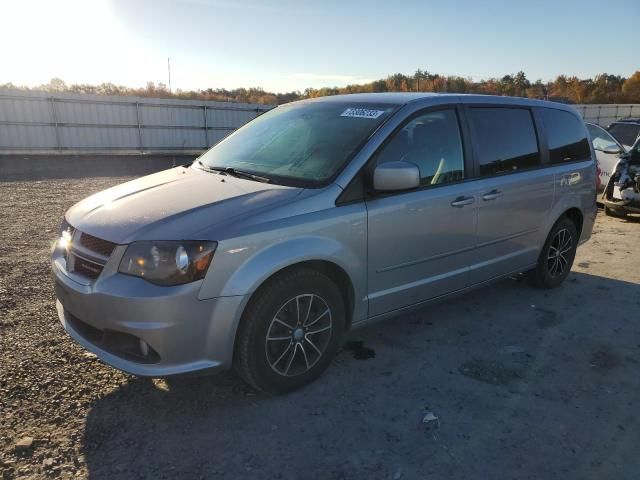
432,142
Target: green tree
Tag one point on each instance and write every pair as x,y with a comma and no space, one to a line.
521,84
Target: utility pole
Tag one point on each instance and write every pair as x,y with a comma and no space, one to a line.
169,70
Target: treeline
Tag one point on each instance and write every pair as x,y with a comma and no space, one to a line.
160,90
603,88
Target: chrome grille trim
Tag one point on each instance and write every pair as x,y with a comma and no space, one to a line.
87,255
87,258
80,251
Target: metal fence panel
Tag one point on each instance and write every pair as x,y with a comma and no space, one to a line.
76,123
18,110
604,114
36,137
98,138
171,116
95,114
174,139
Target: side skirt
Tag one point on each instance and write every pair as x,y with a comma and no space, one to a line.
438,299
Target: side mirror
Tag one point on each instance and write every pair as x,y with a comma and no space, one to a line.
612,149
394,176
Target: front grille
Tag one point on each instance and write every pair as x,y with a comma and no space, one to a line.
95,244
86,268
87,254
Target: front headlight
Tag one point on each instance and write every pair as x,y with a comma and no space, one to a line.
168,263
64,240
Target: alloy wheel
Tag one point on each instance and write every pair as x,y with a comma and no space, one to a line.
559,252
298,335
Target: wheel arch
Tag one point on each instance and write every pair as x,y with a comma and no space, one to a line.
576,216
326,255
332,270
571,208
337,274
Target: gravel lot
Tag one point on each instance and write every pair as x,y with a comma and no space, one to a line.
524,383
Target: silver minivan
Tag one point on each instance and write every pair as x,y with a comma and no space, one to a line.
318,217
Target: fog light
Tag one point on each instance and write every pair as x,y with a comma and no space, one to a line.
144,348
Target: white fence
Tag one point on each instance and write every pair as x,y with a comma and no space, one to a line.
37,122
605,114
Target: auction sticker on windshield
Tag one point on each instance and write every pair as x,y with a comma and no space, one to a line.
361,113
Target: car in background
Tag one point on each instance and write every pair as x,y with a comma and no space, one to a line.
622,192
626,131
608,151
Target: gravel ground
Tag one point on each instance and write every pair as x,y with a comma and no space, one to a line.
512,382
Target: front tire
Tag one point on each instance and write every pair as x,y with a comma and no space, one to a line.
557,255
290,331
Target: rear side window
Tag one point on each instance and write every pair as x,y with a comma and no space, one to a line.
566,135
506,139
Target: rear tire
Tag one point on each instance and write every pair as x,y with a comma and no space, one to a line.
557,255
290,331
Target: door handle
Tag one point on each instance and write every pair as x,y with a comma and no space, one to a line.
492,195
462,201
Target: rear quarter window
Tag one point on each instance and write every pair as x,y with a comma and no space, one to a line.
566,136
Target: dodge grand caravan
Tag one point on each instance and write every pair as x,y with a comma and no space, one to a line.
317,217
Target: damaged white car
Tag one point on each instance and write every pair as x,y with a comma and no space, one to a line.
622,194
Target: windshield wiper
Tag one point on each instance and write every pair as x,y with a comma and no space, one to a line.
235,173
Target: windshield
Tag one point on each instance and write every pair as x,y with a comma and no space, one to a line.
302,144
626,133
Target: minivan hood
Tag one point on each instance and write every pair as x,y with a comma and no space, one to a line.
172,205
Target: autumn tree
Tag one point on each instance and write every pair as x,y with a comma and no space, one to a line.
602,88
631,88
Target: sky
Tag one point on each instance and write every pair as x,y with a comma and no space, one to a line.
290,45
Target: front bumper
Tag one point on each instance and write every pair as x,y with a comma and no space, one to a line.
621,208
111,315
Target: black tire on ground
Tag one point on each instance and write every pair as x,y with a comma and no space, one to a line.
611,213
303,301
557,255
